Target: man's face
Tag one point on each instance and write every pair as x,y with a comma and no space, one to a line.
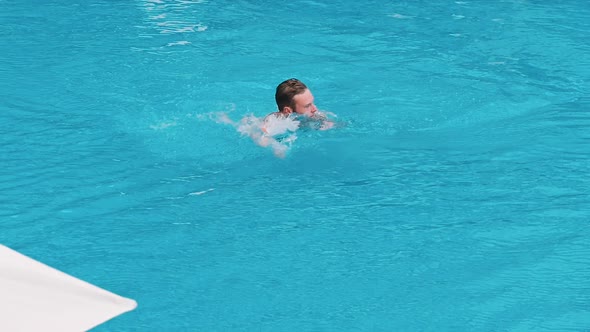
304,103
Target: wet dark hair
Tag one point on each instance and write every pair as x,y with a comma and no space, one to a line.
286,91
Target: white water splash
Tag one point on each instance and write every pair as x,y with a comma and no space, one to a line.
275,133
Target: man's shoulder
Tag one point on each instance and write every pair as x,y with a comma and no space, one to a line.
272,115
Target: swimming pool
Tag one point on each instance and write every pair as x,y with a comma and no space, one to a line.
455,196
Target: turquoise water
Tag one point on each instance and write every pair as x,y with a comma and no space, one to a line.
454,196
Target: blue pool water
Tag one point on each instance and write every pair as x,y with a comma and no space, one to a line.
455,195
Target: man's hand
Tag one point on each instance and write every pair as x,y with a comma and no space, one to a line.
327,125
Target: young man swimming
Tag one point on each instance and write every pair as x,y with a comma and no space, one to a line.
295,99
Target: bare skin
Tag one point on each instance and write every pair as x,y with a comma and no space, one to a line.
305,106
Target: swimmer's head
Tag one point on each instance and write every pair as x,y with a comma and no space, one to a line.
294,96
